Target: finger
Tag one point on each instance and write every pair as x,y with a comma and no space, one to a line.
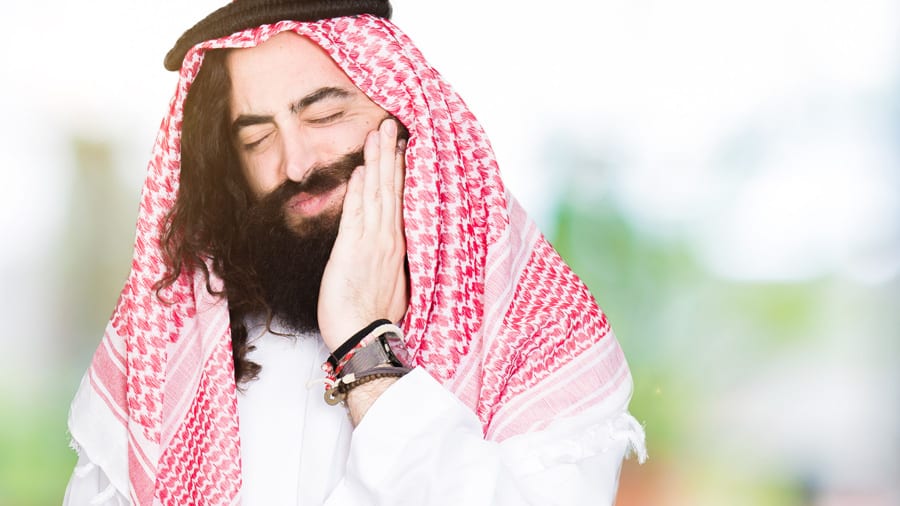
400,300
400,166
351,216
388,153
370,205
399,181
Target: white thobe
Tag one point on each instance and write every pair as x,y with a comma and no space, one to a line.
417,445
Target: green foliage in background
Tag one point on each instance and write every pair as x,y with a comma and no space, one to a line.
37,460
689,338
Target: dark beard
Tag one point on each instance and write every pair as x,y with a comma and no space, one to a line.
288,262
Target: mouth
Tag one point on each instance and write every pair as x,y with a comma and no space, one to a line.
307,205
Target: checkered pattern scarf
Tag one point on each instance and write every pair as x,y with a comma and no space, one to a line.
495,314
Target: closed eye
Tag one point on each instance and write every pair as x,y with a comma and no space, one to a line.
250,146
325,119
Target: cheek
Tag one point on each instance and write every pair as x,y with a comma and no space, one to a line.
328,144
350,136
260,177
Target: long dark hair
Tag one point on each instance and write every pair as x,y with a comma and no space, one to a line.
212,201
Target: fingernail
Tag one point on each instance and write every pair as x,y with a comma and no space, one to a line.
389,126
401,144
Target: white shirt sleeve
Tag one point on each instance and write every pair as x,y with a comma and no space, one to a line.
89,485
418,444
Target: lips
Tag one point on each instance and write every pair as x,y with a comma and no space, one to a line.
311,204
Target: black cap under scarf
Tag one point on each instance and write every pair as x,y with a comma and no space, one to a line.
242,14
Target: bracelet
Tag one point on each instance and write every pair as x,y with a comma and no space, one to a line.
338,393
354,340
370,356
332,371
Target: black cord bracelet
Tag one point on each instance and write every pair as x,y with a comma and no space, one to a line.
351,343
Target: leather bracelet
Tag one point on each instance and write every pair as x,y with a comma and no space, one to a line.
338,393
375,354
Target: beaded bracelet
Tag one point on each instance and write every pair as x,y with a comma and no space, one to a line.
345,384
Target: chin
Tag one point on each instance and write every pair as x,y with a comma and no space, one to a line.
303,226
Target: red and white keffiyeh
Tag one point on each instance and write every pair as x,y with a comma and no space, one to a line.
495,314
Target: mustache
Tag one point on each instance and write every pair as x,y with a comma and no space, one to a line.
320,179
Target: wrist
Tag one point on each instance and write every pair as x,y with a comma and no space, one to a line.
360,339
336,335
365,358
361,398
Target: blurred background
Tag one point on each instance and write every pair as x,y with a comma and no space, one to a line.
724,176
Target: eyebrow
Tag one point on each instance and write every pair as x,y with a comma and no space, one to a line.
245,120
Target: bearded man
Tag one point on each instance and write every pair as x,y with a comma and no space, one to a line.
322,212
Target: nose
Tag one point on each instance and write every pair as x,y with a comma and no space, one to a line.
299,157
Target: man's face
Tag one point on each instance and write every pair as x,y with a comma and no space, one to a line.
293,111
298,126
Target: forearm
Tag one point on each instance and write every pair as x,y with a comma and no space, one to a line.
361,398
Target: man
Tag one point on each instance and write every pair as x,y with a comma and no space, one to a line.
286,225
